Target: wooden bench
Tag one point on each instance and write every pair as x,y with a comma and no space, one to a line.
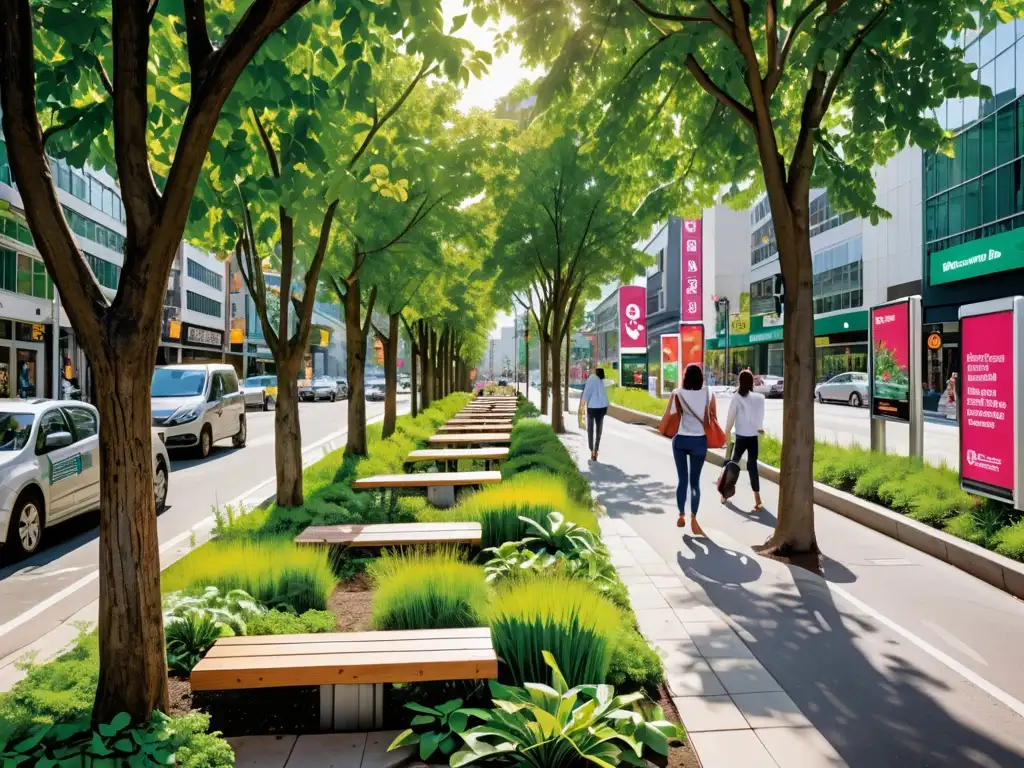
391,534
440,485
469,421
486,455
350,668
475,427
473,438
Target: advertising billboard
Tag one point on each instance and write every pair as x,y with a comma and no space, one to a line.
890,362
691,345
633,370
669,362
633,319
990,418
693,271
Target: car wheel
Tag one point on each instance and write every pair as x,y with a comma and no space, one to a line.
268,403
821,398
855,400
334,397
238,441
160,486
205,442
25,531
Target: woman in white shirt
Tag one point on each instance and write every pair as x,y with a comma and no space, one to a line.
746,413
690,445
596,399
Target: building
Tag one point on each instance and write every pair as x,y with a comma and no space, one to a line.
195,328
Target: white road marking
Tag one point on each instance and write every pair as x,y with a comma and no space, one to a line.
955,641
85,581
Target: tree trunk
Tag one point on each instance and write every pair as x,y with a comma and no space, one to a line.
427,374
391,377
794,529
288,433
133,662
557,421
413,384
545,367
435,363
355,361
565,402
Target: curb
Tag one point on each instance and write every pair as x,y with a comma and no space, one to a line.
1001,572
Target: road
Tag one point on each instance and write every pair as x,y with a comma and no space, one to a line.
852,426
37,595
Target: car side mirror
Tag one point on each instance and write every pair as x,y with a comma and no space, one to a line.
56,440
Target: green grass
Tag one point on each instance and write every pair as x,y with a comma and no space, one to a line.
534,447
275,572
497,507
637,400
427,588
564,616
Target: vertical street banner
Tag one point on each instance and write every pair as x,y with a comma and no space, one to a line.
669,362
691,345
692,304
991,346
633,318
890,362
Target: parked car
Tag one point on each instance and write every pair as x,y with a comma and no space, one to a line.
849,388
197,405
769,386
50,469
320,388
374,393
260,392
342,387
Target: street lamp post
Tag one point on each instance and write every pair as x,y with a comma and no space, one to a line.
723,307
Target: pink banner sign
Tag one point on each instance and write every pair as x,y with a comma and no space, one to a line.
890,361
986,402
693,271
633,318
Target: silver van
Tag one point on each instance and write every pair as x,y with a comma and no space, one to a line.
197,405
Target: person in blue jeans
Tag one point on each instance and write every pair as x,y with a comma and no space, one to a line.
690,445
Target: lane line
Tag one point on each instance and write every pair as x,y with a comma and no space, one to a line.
85,581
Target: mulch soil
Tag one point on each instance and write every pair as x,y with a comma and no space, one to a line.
681,756
352,603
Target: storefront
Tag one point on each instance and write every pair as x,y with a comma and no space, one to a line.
189,343
23,359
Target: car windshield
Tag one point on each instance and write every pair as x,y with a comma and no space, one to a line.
15,429
177,382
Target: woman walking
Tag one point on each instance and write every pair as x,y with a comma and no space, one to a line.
690,445
746,413
596,400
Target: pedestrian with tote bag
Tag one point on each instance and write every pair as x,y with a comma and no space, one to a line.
594,405
691,420
746,413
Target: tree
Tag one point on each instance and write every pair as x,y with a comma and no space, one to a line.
97,68
824,89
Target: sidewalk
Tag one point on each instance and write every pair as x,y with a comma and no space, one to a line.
891,659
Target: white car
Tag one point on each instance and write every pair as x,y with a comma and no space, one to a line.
50,469
849,388
321,388
260,392
769,386
197,405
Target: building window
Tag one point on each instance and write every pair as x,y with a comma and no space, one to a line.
87,229
5,168
839,277
206,276
21,273
199,303
107,273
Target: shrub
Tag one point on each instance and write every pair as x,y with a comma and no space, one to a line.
564,616
284,623
275,572
425,588
1010,541
636,400
189,637
534,446
233,609
635,664
498,507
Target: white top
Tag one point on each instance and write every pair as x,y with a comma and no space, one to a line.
697,400
747,413
594,394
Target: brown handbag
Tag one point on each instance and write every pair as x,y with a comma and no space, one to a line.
669,425
712,429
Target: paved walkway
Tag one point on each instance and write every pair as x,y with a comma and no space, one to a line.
895,659
327,750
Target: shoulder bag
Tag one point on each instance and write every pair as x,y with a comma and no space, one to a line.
712,429
669,425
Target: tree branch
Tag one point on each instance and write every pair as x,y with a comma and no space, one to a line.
101,71
369,310
197,38
275,166
313,275
771,33
656,14
705,82
418,216
837,74
774,76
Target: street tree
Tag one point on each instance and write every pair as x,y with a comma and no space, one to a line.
105,78
773,96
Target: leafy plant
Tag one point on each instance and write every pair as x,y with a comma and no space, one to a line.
426,588
232,609
577,624
557,726
1010,541
435,729
285,623
635,664
189,637
514,558
116,743
556,534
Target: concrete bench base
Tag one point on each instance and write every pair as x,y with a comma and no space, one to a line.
441,496
345,708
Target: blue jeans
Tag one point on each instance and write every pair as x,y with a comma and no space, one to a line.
689,450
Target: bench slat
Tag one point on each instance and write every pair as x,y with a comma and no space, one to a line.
471,439
366,646
428,479
392,534
463,428
454,454
329,637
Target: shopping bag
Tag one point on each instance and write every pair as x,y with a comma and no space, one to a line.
581,415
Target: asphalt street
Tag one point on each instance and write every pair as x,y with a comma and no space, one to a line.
36,595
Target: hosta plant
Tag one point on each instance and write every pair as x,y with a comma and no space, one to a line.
556,726
437,729
556,534
515,558
189,637
233,608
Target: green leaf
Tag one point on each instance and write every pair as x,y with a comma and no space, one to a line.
428,744
406,738
421,709
457,23
423,720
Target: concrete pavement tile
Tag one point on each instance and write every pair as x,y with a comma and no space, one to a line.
709,713
694,678
623,560
770,710
743,675
376,754
328,750
660,568
667,582
717,641
803,747
660,624
632,572
261,751
643,596
698,614
733,749
677,652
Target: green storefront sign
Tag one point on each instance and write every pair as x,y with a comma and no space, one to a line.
831,325
986,256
